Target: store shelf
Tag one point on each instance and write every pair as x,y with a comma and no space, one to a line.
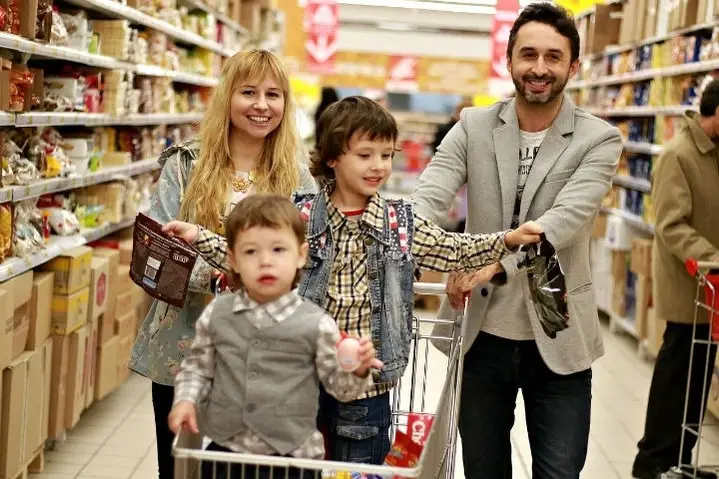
99,119
634,220
53,52
56,246
7,119
200,5
648,74
633,183
640,110
55,185
646,148
118,10
5,195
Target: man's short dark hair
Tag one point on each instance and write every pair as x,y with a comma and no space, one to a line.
710,99
549,14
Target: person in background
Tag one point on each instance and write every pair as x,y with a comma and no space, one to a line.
533,157
247,143
685,194
329,96
364,251
442,130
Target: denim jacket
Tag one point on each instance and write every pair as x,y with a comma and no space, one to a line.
390,269
167,332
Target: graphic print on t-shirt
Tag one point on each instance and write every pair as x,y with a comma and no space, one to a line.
529,144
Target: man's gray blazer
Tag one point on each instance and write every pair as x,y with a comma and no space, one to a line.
570,176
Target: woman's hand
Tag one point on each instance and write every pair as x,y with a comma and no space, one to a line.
183,415
459,285
180,229
528,233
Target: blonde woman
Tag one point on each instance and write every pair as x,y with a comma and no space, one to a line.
247,143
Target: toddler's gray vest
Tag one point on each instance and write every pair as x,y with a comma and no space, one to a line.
265,379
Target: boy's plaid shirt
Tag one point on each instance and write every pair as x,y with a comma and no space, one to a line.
348,299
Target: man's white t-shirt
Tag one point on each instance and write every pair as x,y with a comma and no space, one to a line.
507,313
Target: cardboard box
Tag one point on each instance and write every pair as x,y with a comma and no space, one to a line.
58,388
6,328
123,357
106,372
106,329
19,290
69,313
125,249
599,229
72,270
40,309
92,332
113,258
641,260
99,278
47,391
75,399
124,325
21,329
38,388
124,282
644,301
14,411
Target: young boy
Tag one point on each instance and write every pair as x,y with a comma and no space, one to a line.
261,352
363,254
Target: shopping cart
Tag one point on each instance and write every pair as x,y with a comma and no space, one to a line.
412,395
706,302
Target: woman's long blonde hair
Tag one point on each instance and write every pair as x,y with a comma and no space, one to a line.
277,170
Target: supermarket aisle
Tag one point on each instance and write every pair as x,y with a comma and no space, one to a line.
115,438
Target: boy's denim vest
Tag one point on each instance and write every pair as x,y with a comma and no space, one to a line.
390,271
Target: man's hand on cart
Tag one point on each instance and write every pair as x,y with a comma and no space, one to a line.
459,285
180,229
183,415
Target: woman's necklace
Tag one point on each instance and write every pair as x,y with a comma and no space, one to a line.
241,182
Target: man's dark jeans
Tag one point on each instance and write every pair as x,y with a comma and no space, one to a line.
557,408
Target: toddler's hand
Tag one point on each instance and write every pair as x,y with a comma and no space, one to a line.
183,415
527,233
186,231
367,358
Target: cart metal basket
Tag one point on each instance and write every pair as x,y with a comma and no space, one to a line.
706,303
415,394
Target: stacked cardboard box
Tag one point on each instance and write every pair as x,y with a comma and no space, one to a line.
107,343
70,305
25,303
641,266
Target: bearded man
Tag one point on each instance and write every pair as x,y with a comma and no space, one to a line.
533,157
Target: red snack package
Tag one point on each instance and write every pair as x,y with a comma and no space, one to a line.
404,452
418,427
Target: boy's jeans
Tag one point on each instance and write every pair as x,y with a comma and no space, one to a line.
357,431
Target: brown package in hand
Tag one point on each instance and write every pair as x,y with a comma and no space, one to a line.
161,264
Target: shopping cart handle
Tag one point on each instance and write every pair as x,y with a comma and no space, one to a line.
694,266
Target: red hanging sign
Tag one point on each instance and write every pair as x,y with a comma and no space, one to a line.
321,25
507,12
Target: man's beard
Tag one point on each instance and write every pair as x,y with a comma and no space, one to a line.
556,88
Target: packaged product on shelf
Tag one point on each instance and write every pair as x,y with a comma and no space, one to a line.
44,20
6,231
19,170
78,29
12,17
30,229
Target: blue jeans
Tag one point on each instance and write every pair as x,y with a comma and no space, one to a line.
557,408
357,431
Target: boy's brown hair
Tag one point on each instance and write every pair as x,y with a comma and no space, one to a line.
267,211
342,120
